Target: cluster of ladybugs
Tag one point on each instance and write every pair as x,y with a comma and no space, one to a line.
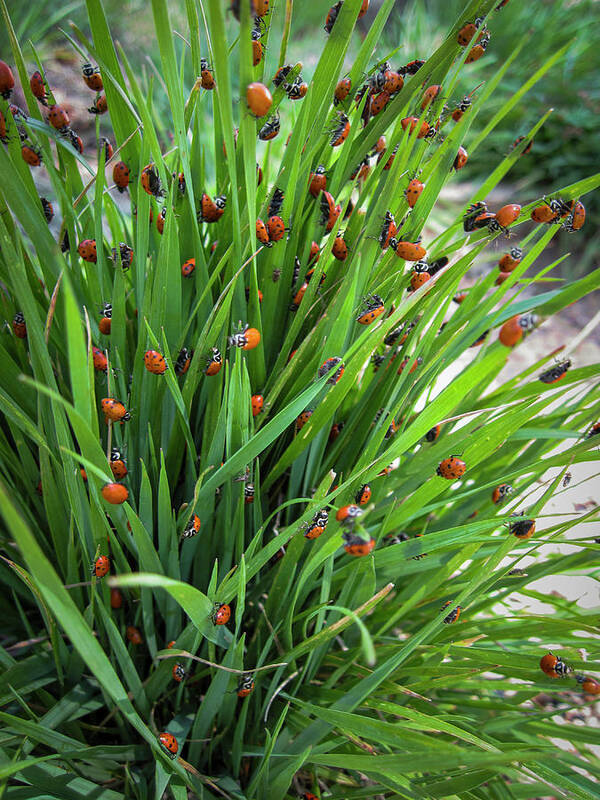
555,667
58,116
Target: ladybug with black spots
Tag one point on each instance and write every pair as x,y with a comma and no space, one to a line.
374,308
357,546
150,181
169,743
522,529
451,468
363,495
554,666
221,614
101,566
92,78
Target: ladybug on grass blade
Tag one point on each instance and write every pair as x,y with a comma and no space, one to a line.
413,192
121,175
409,251
215,362
501,492
453,615
150,181
511,260
388,231
178,673
522,529
114,410
169,743
155,362
334,366
317,527
348,515
461,158
7,80
92,78
281,74
124,254
246,338
589,685
374,308
505,217
556,373
270,129
99,359
318,181
339,249
258,99
117,465
332,16
115,493
184,359
245,686
576,218
211,210
451,468
207,80
276,228
192,528
340,132
357,546
554,666
221,614
101,566
38,87
257,404
433,433
363,495
105,323
100,105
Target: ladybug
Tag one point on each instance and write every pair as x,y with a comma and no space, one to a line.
276,228
100,105
117,465
453,615
374,308
235,7
329,211
133,634
276,203
105,323
468,31
295,304
501,278
248,338
333,365
99,359
150,181
411,124
155,362
257,48
101,566
501,492
184,359
7,80
3,137
429,95
412,67
169,742
114,410
76,141
335,431
258,98
461,158
472,218
451,468
270,129
576,218
433,433
107,147
188,267
314,253
332,15
514,328
47,209
511,260
317,527
124,253
160,220
460,298
413,192
317,181
464,105
389,230
257,404
215,362
282,74
247,292
207,80
297,90
92,77
192,528
303,418
262,234
518,141
342,90
211,211
87,250
480,339
522,529
476,52
419,276
593,431
115,493
339,249
121,176
340,131
380,146
553,666
221,614
178,673
348,515
38,87
31,155
379,102
390,161
393,82
245,686
409,251
505,217
363,495
310,796
546,213
556,373
356,546
589,685
116,599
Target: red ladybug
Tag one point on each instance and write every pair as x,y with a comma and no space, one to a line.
38,87
107,147
413,192
356,546
518,141
409,251
429,95
99,359
262,234
522,529
318,181
192,528
505,217
340,131
332,15
412,122
460,109
468,31
501,492
207,80
121,176
211,210
461,158
178,673
245,686
476,52
589,685
92,77
297,90
333,365
433,433
388,232
363,495
453,615
276,228
160,221
247,339
184,359
117,465
342,90
133,635
7,80
511,260
576,218
419,276
105,323
221,614
302,419
270,129
87,250
31,155
374,308
412,67
116,598
257,404
282,74
101,566
114,410
188,267
393,82
556,373
100,105
150,181
451,468
317,527
593,431
339,249
155,362
348,514
257,48
553,666
259,99
329,211
115,493
169,742
215,362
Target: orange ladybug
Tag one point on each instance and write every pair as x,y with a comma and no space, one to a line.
374,308
356,546
413,192
134,635
247,338
115,493
257,404
155,362
221,614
